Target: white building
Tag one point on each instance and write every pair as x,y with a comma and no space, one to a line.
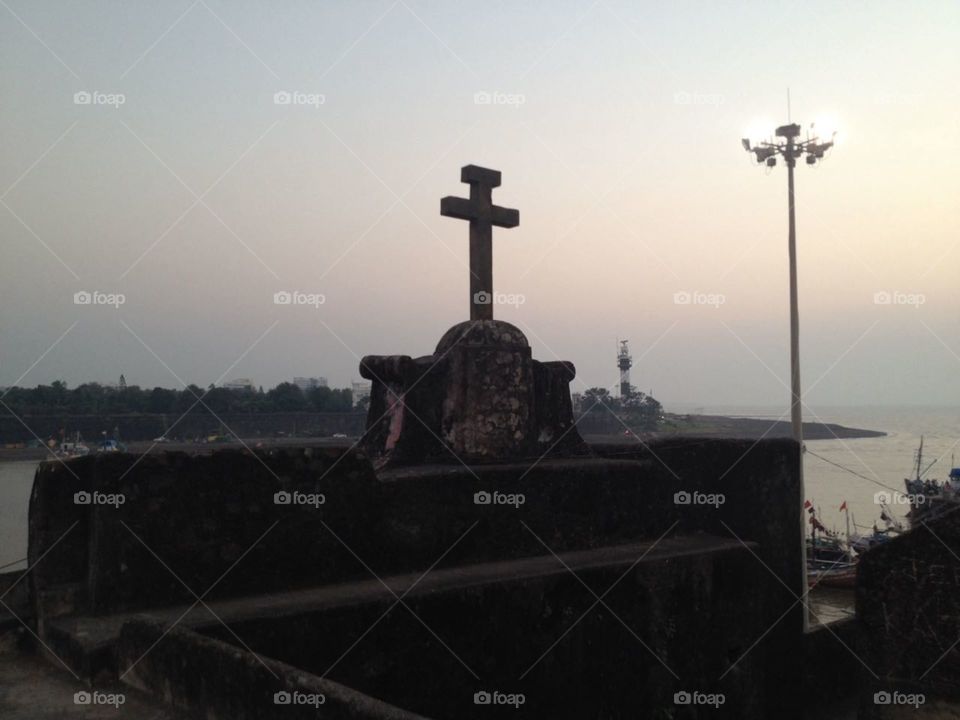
239,384
361,391
309,383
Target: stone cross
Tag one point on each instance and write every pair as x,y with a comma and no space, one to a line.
483,215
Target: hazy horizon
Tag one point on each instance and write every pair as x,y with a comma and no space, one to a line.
617,129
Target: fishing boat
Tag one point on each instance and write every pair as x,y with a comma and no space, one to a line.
841,575
930,498
76,448
830,560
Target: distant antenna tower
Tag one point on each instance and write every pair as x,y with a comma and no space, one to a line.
624,362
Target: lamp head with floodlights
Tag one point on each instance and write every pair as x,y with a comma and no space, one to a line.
790,149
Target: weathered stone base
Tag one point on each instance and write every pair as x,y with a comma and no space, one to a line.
480,398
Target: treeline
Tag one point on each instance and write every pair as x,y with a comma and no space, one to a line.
96,399
640,411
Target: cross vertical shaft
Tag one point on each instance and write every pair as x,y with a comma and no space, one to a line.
481,255
483,215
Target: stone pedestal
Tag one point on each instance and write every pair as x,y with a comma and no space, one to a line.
480,397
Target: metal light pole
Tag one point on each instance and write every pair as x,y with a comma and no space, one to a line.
796,416
790,149
766,152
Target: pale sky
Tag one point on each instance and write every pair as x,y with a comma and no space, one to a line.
616,125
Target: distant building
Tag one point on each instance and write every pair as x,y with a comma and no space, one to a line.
309,383
239,384
361,391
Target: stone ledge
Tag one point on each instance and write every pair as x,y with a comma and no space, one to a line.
218,681
87,642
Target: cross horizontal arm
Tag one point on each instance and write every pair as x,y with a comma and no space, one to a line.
458,208
504,217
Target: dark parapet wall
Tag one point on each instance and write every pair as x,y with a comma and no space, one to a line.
674,617
163,528
240,524
760,485
908,607
200,514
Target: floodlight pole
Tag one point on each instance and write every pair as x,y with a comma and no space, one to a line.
766,152
796,415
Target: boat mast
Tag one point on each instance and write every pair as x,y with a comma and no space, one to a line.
919,457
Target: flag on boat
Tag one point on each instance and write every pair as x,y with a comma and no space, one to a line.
807,504
843,507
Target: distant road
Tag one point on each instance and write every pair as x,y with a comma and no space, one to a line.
717,426
753,428
139,448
